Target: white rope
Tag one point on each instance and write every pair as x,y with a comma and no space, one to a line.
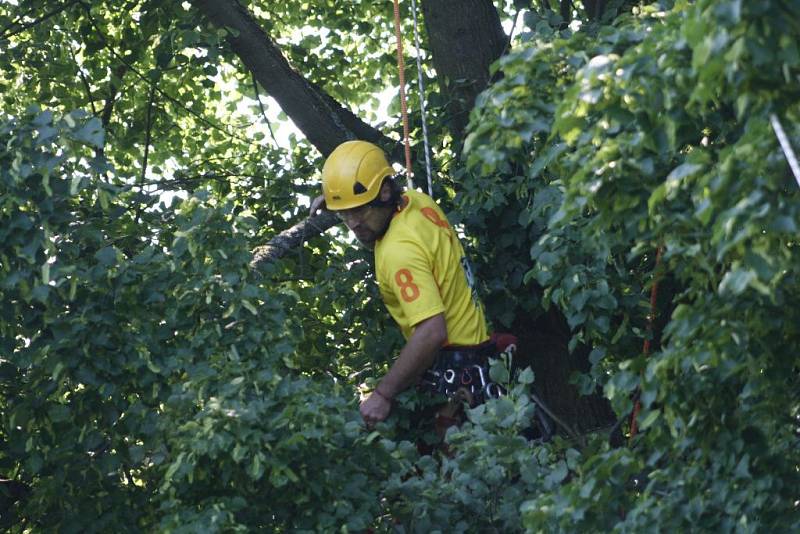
786,146
422,99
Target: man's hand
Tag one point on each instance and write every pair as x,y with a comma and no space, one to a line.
375,408
318,204
418,354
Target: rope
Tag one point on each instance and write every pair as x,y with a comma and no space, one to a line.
422,99
403,108
786,146
637,406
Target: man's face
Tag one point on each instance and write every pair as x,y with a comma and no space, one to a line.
366,222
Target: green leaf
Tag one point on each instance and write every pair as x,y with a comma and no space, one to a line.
682,171
74,185
247,304
239,453
256,469
558,474
651,417
173,468
498,372
107,256
573,459
46,184
526,376
35,463
736,281
58,413
91,133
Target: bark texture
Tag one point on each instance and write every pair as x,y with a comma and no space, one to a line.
594,8
544,346
465,37
292,238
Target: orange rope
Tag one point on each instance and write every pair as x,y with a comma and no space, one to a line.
403,106
637,406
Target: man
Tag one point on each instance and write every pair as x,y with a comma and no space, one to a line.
420,267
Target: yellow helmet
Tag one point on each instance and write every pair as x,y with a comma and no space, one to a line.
353,174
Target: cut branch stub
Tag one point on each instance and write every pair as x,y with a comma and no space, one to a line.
294,237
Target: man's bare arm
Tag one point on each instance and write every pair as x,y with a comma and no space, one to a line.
418,354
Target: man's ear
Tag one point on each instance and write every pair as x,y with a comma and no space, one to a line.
386,191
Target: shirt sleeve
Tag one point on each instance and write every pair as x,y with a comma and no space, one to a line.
410,275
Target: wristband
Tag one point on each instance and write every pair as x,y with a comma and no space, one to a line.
381,395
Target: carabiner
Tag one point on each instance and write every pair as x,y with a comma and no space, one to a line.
466,377
450,376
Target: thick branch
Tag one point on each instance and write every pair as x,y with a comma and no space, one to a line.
113,91
23,27
566,11
465,37
594,8
292,238
323,121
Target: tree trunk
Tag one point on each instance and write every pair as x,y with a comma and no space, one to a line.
465,38
544,346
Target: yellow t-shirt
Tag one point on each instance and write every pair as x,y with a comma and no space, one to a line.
422,271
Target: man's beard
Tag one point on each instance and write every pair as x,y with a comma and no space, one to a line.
370,236
368,241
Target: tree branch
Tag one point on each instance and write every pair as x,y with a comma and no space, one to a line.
150,83
323,121
147,140
113,90
263,111
23,27
84,80
148,131
295,236
566,11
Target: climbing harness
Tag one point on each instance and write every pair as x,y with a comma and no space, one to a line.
403,100
465,368
783,139
462,374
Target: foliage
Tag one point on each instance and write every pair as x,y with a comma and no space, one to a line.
154,376
149,381
656,134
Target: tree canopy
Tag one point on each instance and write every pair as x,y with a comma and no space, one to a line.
182,349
